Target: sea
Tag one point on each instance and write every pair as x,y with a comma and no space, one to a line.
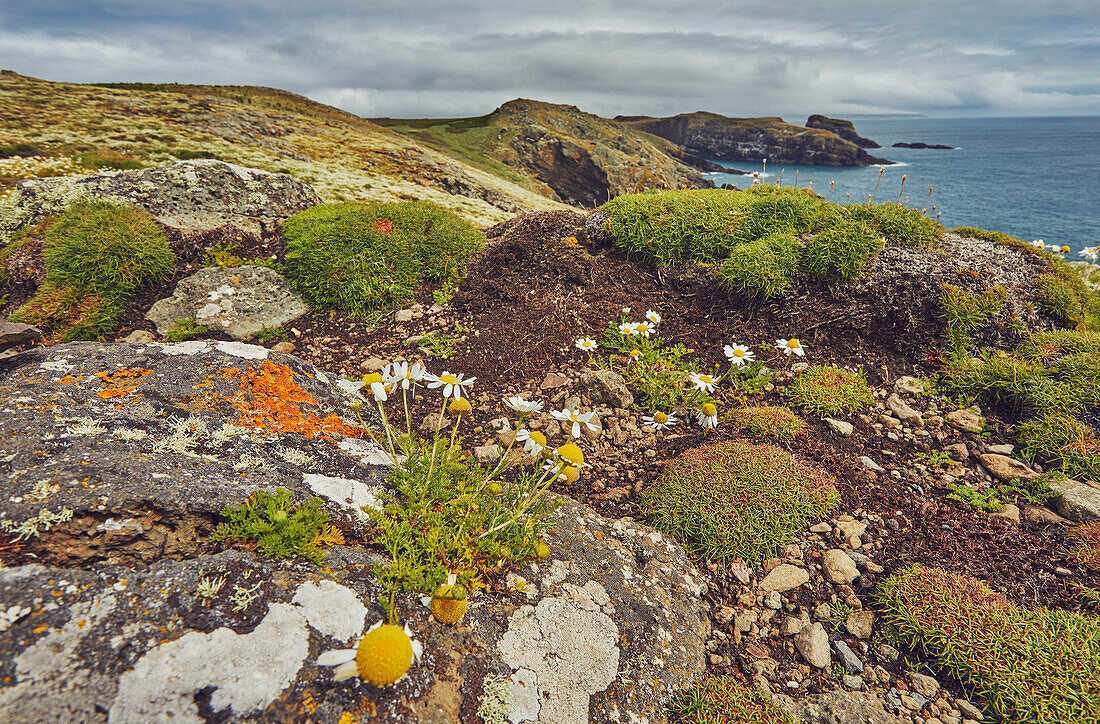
1033,178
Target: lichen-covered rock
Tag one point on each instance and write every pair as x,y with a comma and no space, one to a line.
119,457
125,453
189,196
13,334
239,301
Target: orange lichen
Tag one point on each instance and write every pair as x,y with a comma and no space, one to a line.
68,380
269,398
121,382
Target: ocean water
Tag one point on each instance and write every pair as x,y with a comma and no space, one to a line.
1034,178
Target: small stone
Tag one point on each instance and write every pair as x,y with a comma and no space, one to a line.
852,683
486,454
403,315
1010,513
284,347
1041,515
851,528
909,385
791,626
860,623
904,412
1075,500
813,644
724,614
1006,469
958,452
823,612
605,386
926,686
553,380
847,657
773,600
888,652
840,426
968,420
968,710
821,528
784,577
839,567
913,701
372,364
871,464
744,621
139,336
1005,449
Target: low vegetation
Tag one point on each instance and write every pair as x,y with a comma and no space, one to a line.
97,257
1034,665
760,239
736,499
768,421
1053,380
964,313
725,700
361,256
278,526
828,390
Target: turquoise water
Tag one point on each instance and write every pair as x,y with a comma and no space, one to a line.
1034,178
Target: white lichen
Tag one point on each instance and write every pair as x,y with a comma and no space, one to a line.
295,456
29,527
247,461
125,433
495,703
243,597
226,433
84,426
42,490
208,588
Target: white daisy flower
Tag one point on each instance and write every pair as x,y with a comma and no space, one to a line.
790,346
653,316
405,376
1039,243
378,389
577,418
522,406
660,420
534,442
452,384
707,416
644,329
382,656
739,354
703,382
627,329
587,345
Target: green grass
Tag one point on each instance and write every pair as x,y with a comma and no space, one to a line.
361,256
280,528
725,700
97,257
737,499
1053,380
1033,665
764,267
828,390
964,313
184,330
768,421
1086,549
761,238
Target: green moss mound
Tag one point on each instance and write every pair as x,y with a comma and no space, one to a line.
362,256
725,700
1053,379
97,257
769,421
828,390
761,238
737,499
1033,665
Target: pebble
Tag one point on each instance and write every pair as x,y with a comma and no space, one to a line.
773,600
840,427
784,577
968,710
839,567
926,686
847,657
860,623
813,644
871,464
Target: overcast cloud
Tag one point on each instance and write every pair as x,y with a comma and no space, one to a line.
463,57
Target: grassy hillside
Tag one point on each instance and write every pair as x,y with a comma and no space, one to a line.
556,149
127,125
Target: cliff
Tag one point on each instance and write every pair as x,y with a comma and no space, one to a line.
842,128
753,139
576,157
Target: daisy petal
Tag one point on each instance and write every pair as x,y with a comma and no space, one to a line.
346,671
336,657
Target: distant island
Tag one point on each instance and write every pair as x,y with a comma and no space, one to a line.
918,144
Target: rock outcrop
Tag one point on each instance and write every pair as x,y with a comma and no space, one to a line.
844,129
753,139
117,608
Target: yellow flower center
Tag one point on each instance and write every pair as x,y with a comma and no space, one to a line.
460,406
448,379
793,343
539,438
570,474
569,451
738,353
373,377
660,418
709,409
384,655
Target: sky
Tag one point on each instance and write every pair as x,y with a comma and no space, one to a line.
846,58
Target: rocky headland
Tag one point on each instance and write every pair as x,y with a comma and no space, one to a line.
841,127
753,139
